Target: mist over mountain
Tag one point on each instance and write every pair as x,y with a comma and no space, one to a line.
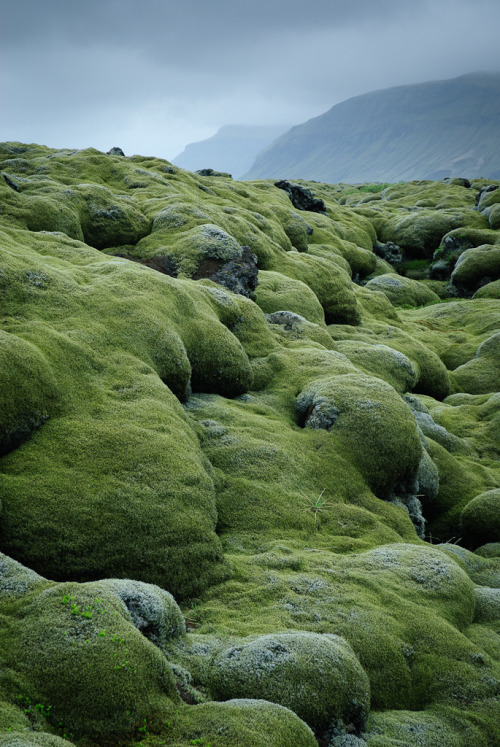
424,131
233,148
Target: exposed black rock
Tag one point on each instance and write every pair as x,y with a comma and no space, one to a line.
115,152
302,198
389,251
446,256
10,183
166,265
238,275
212,172
439,270
458,180
485,190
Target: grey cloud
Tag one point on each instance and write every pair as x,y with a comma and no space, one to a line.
158,74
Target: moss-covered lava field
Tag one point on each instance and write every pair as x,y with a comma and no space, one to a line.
249,473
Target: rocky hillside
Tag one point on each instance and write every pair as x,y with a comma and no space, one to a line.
249,476
232,149
427,131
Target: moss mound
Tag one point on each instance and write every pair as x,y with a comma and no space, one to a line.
481,517
318,677
403,291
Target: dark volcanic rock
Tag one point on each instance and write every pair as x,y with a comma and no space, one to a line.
389,251
302,198
446,256
238,275
166,265
485,190
10,183
212,172
115,152
439,270
458,181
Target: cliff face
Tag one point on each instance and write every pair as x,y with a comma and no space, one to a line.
249,473
426,131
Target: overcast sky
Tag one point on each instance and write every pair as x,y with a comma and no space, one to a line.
153,75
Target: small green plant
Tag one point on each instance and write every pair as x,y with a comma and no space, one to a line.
95,606
317,507
195,616
87,612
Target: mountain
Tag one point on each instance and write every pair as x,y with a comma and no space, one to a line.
233,149
423,131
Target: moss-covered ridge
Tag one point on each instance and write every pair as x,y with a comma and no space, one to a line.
274,462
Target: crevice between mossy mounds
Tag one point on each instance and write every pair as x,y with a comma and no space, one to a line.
165,265
15,437
10,183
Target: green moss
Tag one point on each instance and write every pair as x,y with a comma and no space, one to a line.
476,267
329,282
293,669
419,233
32,739
481,517
381,361
446,727
250,722
490,290
433,378
76,649
375,305
28,390
289,328
108,219
276,292
403,291
266,530
490,550
480,375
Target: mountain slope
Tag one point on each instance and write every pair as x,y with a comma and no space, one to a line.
428,130
233,148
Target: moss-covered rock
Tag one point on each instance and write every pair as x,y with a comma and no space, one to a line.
475,268
316,676
480,374
490,290
32,739
382,361
28,391
239,721
419,233
76,648
277,292
108,219
361,412
446,727
403,291
152,610
481,517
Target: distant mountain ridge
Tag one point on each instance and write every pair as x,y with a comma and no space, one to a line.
422,131
233,148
